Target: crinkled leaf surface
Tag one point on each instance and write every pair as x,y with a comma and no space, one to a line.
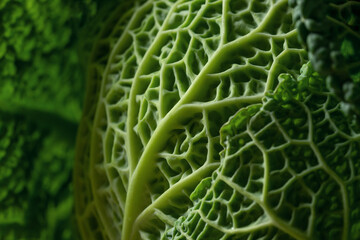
289,170
330,30
176,72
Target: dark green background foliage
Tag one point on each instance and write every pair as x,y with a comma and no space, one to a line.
330,30
41,93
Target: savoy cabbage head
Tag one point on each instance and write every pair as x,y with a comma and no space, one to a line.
204,119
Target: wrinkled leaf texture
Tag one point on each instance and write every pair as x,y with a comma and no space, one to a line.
164,152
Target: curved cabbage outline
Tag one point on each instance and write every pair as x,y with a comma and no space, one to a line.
163,79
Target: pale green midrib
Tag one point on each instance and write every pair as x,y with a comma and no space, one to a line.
219,54
168,123
233,69
226,102
191,93
131,139
283,226
139,173
175,189
97,119
125,37
129,216
200,107
198,16
331,173
223,30
161,95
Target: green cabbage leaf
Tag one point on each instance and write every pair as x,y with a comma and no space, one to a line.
175,73
289,170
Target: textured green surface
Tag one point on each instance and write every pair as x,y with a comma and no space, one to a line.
38,64
41,94
36,196
289,170
330,30
176,73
